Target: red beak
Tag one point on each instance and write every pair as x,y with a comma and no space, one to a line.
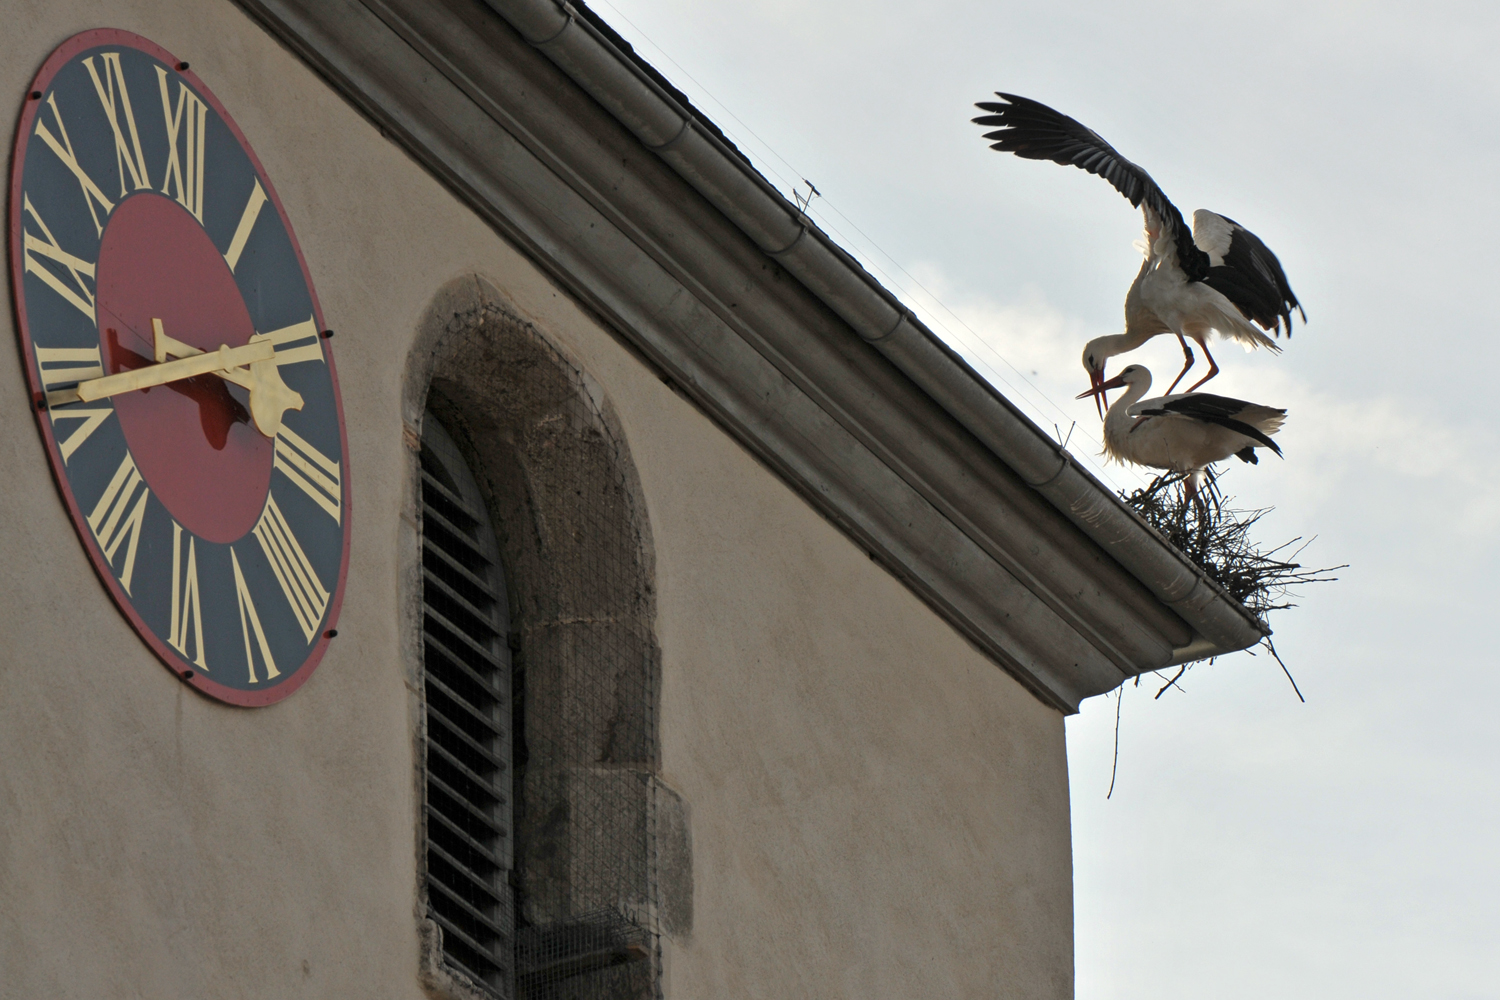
1101,389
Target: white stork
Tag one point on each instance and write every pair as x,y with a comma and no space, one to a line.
1182,433
1220,277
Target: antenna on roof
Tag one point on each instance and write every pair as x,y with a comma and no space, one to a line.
803,202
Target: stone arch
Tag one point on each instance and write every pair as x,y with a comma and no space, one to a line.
593,822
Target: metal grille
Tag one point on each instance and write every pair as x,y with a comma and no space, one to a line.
580,662
467,680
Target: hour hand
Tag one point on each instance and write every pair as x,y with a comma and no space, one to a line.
270,397
168,348
224,359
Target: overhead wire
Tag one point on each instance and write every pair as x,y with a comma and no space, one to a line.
970,346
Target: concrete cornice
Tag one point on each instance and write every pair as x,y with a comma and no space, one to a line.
545,129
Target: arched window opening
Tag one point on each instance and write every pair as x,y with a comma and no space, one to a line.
589,864
466,681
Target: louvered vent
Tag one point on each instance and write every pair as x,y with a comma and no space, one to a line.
467,678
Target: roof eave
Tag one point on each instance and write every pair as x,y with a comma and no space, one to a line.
889,433
593,60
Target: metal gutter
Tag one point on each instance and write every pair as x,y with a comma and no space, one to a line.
591,59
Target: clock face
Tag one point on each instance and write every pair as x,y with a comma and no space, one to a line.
179,368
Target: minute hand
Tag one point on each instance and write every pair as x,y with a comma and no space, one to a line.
223,360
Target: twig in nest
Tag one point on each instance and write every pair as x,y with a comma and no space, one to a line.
1172,682
1272,648
1217,537
1115,767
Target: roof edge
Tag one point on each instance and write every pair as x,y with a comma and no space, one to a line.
695,150
834,411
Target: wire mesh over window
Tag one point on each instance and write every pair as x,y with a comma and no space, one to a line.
583,663
467,680
585,740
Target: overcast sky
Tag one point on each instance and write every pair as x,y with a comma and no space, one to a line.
1255,846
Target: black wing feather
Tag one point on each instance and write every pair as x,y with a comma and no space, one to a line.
1251,277
1034,131
1204,405
1211,409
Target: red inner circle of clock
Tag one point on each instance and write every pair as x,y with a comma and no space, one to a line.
193,440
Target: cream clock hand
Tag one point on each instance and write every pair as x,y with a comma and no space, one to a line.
223,360
269,395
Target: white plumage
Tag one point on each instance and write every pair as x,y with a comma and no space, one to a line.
1220,278
1186,432
1162,299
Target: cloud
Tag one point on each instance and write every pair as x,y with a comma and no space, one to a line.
1389,451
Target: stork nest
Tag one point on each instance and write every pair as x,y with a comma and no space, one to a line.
1217,537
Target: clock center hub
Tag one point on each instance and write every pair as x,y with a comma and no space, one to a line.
193,440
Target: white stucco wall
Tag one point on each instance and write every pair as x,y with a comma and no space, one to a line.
877,810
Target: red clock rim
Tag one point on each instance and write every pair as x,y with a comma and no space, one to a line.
184,670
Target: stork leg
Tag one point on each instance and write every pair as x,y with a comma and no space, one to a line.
1213,367
1187,353
1194,495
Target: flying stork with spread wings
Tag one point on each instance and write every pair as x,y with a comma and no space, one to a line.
1218,277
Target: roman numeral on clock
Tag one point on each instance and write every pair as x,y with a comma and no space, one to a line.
185,606
299,582
67,365
304,334
189,120
79,295
110,521
250,625
91,418
313,472
247,224
116,101
92,196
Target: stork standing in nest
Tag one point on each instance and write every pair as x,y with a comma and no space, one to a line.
1183,433
1220,277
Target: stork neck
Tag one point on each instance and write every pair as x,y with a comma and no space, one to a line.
1115,343
1117,410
